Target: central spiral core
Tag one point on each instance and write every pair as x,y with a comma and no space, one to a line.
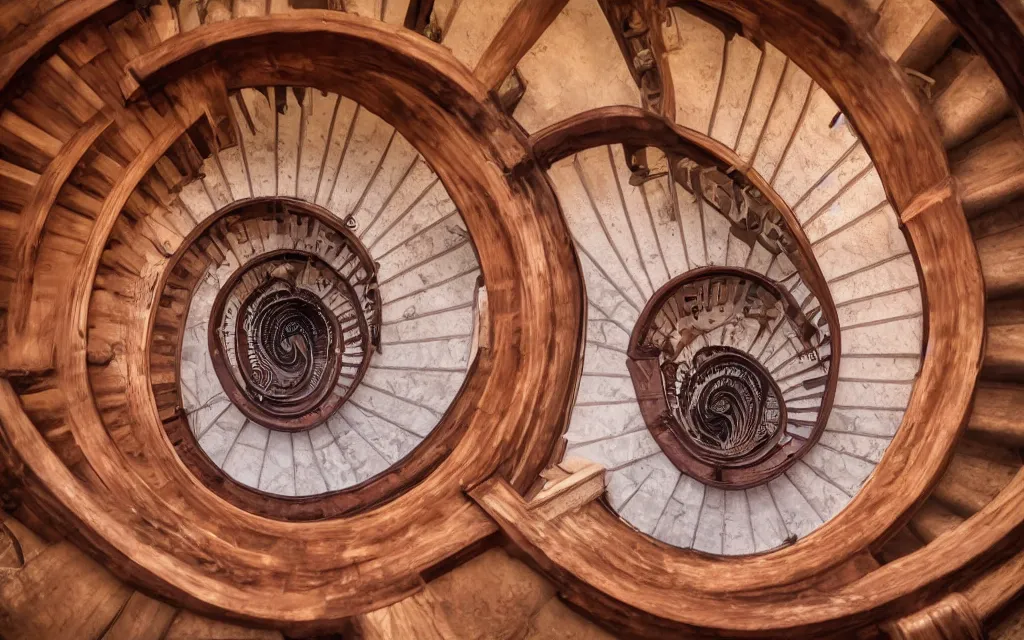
727,406
709,358
296,315
290,340
290,348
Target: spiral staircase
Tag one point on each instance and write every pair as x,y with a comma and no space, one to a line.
532,319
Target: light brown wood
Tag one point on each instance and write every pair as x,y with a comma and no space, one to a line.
952,618
933,520
418,616
930,43
1004,352
490,596
134,501
141,618
932,227
1002,262
974,478
997,413
992,592
560,495
86,472
944,191
611,594
525,24
995,28
59,593
990,169
975,100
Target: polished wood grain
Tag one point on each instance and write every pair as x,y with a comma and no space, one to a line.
952,617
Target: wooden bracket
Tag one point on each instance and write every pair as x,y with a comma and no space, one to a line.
571,484
923,201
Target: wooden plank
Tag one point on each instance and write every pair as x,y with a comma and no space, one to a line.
534,289
26,350
997,413
141,618
628,586
17,51
990,169
974,100
568,490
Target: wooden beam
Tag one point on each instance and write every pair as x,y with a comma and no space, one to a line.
1002,262
630,126
17,51
626,583
1004,353
570,485
134,501
522,28
417,16
975,100
995,28
975,476
990,169
24,351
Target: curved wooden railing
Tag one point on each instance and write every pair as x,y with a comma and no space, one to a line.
108,476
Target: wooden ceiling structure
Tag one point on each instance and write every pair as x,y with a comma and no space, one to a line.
86,458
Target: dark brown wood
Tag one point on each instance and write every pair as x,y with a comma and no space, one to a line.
417,16
952,618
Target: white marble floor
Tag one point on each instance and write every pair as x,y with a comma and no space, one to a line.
331,152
